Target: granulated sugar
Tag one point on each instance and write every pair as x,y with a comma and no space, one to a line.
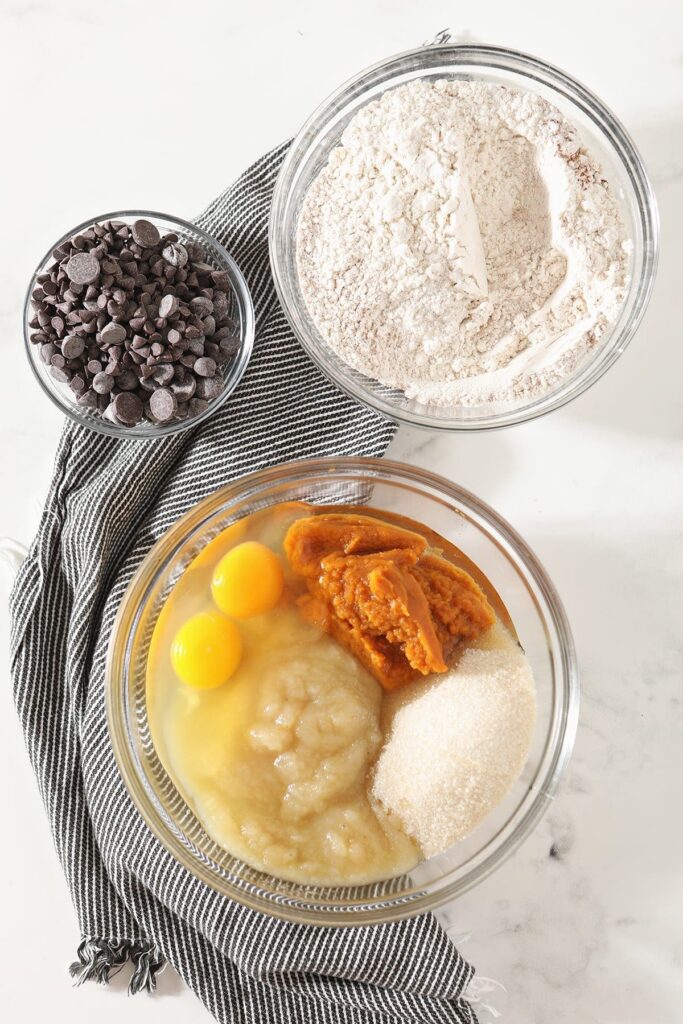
457,743
461,245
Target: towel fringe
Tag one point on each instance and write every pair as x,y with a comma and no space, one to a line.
148,962
98,958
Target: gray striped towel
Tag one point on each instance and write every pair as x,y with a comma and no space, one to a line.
109,501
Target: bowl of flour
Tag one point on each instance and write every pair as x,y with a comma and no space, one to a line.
463,237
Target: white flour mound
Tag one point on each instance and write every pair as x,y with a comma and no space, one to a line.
457,742
461,245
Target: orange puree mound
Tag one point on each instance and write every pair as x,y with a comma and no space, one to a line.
384,660
310,540
400,611
456,601
378,597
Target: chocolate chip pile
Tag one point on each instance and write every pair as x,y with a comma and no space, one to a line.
136,323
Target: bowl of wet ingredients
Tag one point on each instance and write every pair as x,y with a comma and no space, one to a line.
138,324
341,691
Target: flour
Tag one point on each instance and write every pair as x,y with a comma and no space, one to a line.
461,245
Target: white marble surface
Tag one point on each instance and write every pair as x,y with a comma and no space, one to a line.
162,104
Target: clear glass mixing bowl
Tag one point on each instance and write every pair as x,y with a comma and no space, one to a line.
602,134
240,308
513,571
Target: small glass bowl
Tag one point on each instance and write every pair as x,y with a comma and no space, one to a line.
514,573
602,134
241,311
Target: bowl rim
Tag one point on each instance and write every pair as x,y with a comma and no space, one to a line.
155,562
492,58
239,365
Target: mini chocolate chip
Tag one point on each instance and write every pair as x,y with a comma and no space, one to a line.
205,367
225,327
83,268
184,391
220,278
145,233
73,347
163,374
163,404
220,304
127,408
168,306
209,387
175,254
230,346
103,383
201,305
197,406
88,399
148,413
196,346
113,333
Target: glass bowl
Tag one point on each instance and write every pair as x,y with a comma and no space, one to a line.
602,134
241,312
515,574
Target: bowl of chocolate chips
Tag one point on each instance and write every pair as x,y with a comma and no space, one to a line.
138,324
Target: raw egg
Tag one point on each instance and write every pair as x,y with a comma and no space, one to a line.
248,580
217,547
206,650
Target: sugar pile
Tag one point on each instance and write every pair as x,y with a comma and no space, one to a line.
457,742
462,245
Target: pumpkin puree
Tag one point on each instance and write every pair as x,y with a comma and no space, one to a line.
400,608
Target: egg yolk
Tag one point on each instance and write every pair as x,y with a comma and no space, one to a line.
206,650
248,580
